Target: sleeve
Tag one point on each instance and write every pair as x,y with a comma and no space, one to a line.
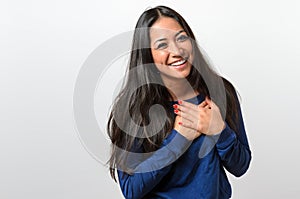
150,172
233,148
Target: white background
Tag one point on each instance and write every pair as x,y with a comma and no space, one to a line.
43,44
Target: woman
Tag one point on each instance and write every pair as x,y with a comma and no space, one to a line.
176,124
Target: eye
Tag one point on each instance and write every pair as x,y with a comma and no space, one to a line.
161,46
182,38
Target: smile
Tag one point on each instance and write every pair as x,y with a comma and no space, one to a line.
179,63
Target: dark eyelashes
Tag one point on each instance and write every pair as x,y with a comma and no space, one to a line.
181,38
161,45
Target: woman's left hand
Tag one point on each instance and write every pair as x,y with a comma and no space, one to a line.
205,117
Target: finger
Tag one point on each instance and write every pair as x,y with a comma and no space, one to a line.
184,115
202,104
187,112
189,124
210,103
190,108
187,104
213,105
191,111
207,107
207,100
186,109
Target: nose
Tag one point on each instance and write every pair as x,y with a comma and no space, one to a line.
175,50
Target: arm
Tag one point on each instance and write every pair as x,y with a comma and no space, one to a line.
151,171
233,148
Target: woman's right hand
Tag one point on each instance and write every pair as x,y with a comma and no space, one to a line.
188,133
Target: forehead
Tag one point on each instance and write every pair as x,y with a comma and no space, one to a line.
164,26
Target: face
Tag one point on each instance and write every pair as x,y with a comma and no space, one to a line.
171,49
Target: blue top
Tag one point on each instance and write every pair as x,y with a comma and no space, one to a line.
185,169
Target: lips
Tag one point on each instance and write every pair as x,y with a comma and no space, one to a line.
178,62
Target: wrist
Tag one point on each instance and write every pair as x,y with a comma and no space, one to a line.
189,134
219,130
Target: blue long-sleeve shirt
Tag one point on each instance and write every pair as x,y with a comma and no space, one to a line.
185,169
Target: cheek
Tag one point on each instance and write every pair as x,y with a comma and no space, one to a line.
159,57
191,59
189,48
191,52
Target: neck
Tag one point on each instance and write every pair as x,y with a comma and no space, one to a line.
180,89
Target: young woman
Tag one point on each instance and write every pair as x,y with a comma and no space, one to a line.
176,124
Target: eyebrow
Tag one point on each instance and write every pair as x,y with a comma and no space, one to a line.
162,39
179,32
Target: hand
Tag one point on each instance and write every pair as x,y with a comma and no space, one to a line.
188,133
204,118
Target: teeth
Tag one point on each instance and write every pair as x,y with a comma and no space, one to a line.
178,62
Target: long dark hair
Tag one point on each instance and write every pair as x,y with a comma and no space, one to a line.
130,117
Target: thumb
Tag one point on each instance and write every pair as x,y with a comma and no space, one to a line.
203,104
209,102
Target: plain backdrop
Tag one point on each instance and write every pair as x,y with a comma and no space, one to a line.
43,44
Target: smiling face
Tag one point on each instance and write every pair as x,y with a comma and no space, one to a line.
171,49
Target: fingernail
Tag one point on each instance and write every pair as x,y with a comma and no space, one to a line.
179,101
175,106
180,123
175,111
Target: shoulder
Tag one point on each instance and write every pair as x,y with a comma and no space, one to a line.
228,84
